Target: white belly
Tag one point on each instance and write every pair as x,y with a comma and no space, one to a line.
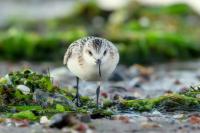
90,72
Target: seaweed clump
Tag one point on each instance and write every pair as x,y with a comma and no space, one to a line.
166,103
30,95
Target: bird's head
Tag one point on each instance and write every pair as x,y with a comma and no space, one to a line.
96,51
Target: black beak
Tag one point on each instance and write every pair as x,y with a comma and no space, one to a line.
99,65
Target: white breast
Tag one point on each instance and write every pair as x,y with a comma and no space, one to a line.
90,72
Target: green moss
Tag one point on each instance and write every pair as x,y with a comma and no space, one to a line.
101,113
107,103
60,108
177,9
24,115
20,96
31,79
44,98
172,102
27,107
3,80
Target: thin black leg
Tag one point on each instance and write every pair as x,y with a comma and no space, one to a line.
97,94
77,97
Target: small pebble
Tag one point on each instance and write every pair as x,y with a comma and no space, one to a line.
194,119
129,98
178,116
44,120
24,89
149,125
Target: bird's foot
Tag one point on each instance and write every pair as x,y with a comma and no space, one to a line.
77,100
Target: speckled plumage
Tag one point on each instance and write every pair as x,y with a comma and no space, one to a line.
81,56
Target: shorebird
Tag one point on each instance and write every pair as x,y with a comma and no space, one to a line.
91,59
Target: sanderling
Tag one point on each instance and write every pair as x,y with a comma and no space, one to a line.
91,59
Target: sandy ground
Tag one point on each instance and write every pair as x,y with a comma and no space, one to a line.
111,126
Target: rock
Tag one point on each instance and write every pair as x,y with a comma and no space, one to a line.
167,92
129,97
117,89
84,118
116,76
58,98
81,127
46,99
137,85
145,72
194,119
156,112
116,97
44,120
40,97
178,116
149,125
124,119
24,89
135,82
21,123
177,82
61,120
132,72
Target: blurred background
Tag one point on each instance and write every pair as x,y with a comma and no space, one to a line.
145,31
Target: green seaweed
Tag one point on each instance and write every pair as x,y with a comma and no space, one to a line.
44,98
171,102
60,108
26,107
102,113
25,115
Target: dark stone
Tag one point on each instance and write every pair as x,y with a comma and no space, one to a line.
63,120
117,89
97,116
84,118
116,97
129,98
41,97
137,85
116,77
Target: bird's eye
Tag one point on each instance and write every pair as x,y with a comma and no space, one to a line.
90,53
104,53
